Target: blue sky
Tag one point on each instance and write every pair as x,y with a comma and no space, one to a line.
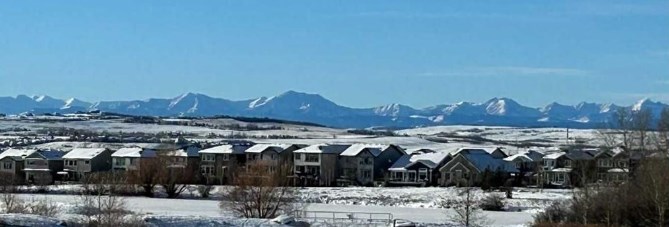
357,53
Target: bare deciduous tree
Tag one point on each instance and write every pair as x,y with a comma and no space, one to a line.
260,192
467,212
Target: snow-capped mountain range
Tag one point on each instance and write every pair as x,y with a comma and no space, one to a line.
314,108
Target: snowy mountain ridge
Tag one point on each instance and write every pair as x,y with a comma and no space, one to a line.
315,108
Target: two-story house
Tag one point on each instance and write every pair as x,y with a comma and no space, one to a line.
317,165
81,161
612,165
13,164
420,168
130,158
220,164
273,156
362,164
468,165
528,164
556,170
41,167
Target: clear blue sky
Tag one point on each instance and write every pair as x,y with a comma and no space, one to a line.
357,53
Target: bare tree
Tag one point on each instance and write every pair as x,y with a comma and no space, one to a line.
641,125
147,176
623,120
663,131
102,205
467,212
260,193
653,185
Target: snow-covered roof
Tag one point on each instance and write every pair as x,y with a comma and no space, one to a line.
554,155
355,149
483,161
618,170
84,153
186,152
561,170
430,160
50,154
259,148
520,156
17,153
134,152
226,149
324,149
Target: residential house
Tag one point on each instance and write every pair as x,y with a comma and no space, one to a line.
467,167
274,156
129,158
556,170
362,164
612,165
420,168
528,164
42,167
317,165
81,161
219,164
13,164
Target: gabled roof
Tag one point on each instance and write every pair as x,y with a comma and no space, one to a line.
356,149
84,153
526,156
50,154
186,152
226,149
483,161
430,160
134,152
16,154
323,149
579,155
259,148
554,155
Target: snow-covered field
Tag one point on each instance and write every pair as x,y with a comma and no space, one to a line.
416,204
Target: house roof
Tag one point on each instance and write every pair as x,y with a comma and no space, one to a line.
134,152
579,155
16,153
526,156
561,170
356,149
186,152
50,154
259,148
323,149
483,161
554,155
430,160
83,153
226,149
520,156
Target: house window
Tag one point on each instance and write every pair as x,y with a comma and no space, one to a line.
208,157
604,162
87,162
207,170
119,161
313,169
367,174
366,161
298,156
311,158
622,164
71,162
412,176
131,161
7,165
226,157
549,163
422,174
567,163
560,177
